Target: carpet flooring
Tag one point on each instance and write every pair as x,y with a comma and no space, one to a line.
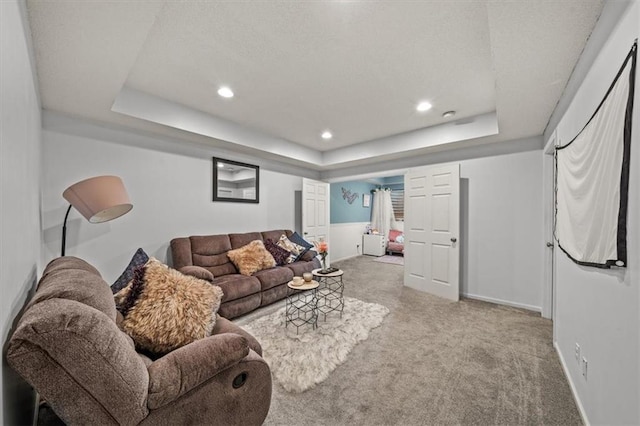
394,260
435,362
431,362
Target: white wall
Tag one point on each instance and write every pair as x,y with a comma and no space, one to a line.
501,229
171,195
345,239
599,309
20,189
501,226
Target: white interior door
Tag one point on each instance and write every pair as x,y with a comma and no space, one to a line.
431,228
315,211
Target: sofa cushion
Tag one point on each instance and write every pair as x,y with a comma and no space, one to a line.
210,252
280,255
171,310
139,259
241,240
274,294
274,235
300,267
236,286
274,277
251,258
235,308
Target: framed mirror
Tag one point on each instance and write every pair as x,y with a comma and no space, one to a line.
235,182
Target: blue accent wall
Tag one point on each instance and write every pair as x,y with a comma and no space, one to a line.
341,210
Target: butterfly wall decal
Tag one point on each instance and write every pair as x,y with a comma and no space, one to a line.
348,195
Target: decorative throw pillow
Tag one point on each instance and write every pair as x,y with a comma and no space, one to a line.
280,255
297,239
400,239
164,309
251,258
139,259
292,247
394,234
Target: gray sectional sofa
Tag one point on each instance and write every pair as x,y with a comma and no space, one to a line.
206,257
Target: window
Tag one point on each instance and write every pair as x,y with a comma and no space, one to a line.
397,201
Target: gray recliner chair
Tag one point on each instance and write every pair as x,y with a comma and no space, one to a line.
68,346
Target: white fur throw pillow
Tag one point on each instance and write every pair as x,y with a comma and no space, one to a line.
164,309
251,258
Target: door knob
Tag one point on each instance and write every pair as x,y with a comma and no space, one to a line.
453,240
550,245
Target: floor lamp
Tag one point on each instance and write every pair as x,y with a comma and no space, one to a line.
99,199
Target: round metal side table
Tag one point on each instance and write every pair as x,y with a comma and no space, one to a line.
302,305
330,291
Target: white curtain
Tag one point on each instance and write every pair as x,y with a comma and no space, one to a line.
592,181
382,211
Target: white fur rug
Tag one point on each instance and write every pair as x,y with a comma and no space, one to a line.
299,362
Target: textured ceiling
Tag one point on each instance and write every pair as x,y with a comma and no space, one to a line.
357,68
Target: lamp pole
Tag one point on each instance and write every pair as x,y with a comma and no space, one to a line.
64,231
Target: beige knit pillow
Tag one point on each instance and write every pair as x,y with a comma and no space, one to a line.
251,258
164,309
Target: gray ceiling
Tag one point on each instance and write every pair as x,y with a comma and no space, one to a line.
357,68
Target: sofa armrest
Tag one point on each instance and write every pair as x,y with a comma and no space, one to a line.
184,369
308,255
181,254
198,272
223,325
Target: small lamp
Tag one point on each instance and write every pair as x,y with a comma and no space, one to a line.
99,199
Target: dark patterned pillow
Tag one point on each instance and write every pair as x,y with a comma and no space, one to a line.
297,239
279,254
140,258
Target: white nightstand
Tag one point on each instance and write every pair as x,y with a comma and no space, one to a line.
374,245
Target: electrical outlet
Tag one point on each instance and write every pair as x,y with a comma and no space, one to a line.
578,353
584,367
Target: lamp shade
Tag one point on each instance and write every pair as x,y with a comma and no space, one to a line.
99,199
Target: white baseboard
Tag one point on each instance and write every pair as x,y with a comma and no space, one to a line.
503,302
576,398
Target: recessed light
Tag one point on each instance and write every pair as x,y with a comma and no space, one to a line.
327,135
423,106
225,92
220,165
449,114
